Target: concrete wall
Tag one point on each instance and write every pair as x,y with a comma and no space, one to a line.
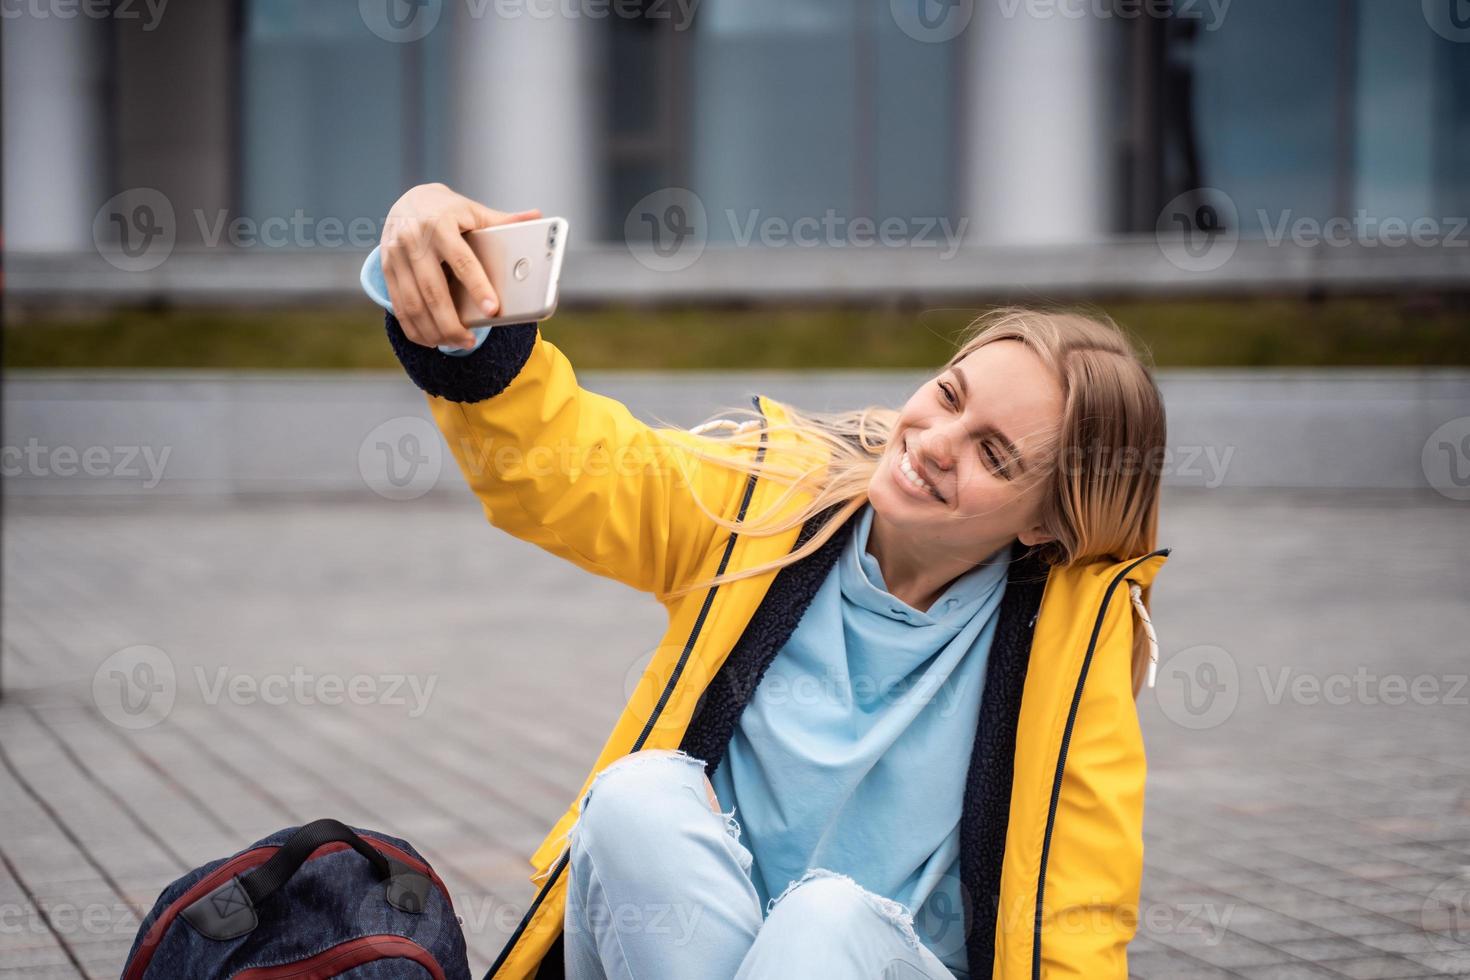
198,433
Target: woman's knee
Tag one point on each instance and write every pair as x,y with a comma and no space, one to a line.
823,907
636,796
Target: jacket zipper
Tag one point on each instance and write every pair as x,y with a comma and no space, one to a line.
1056,786
663,699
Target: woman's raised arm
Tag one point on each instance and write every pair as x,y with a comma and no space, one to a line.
569,470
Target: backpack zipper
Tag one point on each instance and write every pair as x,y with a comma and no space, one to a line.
1056,786
658,708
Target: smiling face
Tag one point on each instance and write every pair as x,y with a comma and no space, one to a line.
962,470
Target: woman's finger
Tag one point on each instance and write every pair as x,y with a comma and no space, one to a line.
466,267
403,293
489,217
441,319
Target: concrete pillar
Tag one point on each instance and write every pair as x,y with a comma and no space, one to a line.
54,115
527,124
1037,121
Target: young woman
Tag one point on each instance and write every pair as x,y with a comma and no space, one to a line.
890,731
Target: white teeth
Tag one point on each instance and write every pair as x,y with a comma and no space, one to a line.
907,469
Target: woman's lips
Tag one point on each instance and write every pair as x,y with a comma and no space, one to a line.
917,492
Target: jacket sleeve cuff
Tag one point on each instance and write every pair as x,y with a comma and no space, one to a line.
473,377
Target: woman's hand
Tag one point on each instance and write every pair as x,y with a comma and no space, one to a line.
423,233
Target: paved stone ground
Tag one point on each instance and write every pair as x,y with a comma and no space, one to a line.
1309,803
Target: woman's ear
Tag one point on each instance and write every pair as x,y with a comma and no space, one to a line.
1035,535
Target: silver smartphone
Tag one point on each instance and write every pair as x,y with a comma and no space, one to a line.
523,262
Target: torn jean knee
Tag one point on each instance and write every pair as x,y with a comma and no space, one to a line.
650,758
894,913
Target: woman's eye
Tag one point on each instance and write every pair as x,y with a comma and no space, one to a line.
995,460
948,394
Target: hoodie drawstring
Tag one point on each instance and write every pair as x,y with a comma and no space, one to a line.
1135,591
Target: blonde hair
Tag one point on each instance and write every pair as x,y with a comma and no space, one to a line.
1101,471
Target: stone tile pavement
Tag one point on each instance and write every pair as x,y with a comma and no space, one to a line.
1309,796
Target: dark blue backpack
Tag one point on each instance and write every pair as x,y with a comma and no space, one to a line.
322,900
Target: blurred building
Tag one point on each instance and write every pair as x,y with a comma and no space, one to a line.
1057,145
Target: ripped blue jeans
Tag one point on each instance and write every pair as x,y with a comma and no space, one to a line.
659,886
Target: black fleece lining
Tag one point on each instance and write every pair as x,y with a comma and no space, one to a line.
720,706
474,377
987,804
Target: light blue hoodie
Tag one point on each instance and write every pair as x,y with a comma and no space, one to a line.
852,754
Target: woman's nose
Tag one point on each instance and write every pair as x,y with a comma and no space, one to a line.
937,446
